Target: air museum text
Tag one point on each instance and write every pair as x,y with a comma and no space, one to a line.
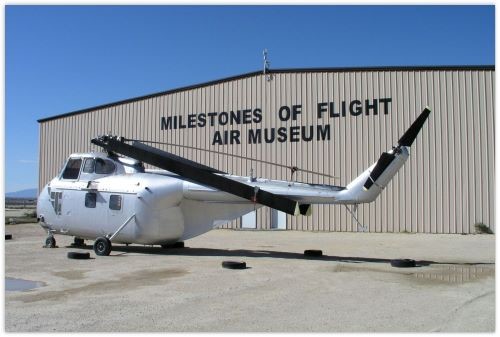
286,113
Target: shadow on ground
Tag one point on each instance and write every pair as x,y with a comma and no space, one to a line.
260,253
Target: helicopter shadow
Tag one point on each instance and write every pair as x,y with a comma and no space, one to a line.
242,253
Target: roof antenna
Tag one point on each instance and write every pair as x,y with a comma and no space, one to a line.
266,66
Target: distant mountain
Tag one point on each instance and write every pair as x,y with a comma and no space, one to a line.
29,193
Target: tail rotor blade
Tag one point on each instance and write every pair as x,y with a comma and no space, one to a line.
383,162
410,134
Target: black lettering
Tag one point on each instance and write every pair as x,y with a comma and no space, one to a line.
235,137
323,132
311,133
296,109
269,138
386,102
343,109
359,109
247,116
373,106
212,115
255,136
282,136
294,134
322,107
223,118
235,117
217,138
257,115
202,120
191,121
332,111
181,125
285,117
166,123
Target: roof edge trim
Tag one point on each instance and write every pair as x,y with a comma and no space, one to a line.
272,71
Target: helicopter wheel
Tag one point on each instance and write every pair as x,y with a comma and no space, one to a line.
102,246
50,242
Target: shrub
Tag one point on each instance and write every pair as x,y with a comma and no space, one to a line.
481,228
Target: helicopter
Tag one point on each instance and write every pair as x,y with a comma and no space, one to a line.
110,197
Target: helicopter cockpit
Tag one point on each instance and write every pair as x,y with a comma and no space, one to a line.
91,166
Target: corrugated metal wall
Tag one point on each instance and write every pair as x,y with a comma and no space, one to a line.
446,186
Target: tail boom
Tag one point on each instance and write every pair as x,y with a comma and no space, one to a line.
357,193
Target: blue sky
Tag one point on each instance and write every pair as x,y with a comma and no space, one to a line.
60,59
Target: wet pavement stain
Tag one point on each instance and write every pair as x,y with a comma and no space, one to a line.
142,278
454,274
436,274
17,284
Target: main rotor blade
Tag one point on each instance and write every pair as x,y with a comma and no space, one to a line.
199,173
410,134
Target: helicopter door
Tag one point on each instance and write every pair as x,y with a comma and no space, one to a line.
63,201
89,213
118,213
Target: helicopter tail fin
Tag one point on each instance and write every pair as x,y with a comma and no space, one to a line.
367,186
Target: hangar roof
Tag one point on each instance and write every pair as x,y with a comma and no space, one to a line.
274,71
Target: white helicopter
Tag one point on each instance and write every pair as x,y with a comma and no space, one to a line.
113,199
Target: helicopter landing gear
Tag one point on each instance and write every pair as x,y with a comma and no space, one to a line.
102,246
78,242
50,242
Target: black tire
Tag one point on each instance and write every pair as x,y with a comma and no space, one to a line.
179,244
102,246
78,242
403,263
8,236
234,265
50,242
313,252
78,256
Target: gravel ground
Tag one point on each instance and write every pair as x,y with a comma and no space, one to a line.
352,288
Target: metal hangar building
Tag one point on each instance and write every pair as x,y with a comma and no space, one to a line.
331,121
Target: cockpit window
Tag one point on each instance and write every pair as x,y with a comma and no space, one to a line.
88,167
72,169
104,166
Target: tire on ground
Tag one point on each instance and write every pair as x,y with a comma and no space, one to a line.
313,252
403,263
8,236
78,255
234,265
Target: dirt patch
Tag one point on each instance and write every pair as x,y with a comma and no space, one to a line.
71,274
142,278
